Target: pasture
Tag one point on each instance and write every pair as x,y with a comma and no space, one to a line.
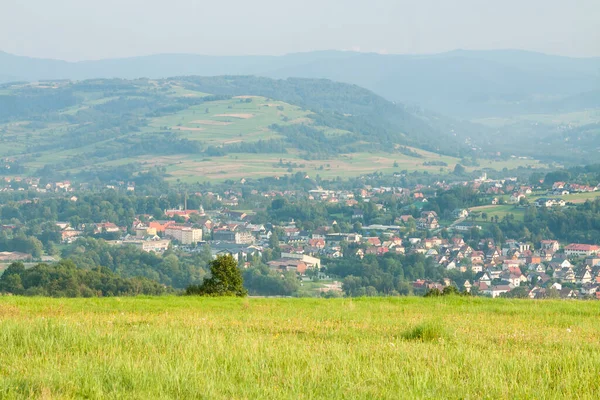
234,166
500,211
181,347
577,198
231,121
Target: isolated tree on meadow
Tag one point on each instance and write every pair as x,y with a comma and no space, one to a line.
459,170
226,280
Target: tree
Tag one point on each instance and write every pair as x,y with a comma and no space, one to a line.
450,290
65,279
435,292
226,280
274,245
371,291
520,292
357,227
459,170
10,282
535,178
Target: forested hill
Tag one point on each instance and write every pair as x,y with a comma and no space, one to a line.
52,127
461,83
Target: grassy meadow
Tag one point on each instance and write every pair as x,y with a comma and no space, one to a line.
500,211
577,198
193,168
181,347
231,121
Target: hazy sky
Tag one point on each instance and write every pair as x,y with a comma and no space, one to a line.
93,29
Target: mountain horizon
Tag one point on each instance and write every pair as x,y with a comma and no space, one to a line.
461,83
457,50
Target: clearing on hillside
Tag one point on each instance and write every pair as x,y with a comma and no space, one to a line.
241,116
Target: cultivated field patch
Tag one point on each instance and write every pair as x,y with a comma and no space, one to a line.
241,116
209,122
187,128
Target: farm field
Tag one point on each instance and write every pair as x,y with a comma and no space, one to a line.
575,198
500,211
240,119
194,168
180,347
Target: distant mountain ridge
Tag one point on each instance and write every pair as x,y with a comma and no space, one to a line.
461,83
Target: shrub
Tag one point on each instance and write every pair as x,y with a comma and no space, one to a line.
433,293
426,332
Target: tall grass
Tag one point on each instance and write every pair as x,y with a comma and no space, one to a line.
181,347
425,332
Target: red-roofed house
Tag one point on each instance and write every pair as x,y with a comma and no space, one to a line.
160,226
185,214
318,243
373,241
580,250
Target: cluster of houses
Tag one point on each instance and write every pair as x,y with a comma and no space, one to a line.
21,184
18,183
558,189
549,271
227,232
544,270
564,188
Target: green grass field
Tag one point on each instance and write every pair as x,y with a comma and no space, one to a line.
500,211
179,347
575,198
194,168
230,121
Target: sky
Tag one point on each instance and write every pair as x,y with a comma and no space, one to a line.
95,29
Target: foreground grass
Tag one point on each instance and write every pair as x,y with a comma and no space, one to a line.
177,347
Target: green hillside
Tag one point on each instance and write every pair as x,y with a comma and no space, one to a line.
216,128
369,348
